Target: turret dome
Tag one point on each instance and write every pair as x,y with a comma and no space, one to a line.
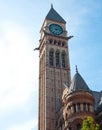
78,84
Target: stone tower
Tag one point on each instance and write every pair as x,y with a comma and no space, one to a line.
54,68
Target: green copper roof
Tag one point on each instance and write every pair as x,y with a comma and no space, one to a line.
53,15
78,83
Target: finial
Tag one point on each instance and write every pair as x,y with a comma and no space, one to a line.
51,5
76,69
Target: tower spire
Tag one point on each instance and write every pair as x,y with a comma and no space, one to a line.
54,16
76,69
51,5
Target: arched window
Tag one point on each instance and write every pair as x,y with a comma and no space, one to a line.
57,59
59,43
78,126
51,58
63,43
55,42
74,108
50,41
63,60
79,108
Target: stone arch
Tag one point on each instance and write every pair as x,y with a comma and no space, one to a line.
77,123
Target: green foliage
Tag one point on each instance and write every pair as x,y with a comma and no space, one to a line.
89,124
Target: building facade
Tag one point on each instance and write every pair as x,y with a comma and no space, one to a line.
63,104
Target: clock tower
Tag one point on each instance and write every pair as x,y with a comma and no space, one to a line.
54,68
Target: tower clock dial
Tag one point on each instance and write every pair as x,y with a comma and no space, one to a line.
55,29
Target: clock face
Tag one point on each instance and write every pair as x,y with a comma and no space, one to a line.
56,29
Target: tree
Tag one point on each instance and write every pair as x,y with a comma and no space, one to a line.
89,124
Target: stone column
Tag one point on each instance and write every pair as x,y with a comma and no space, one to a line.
81,105
72,110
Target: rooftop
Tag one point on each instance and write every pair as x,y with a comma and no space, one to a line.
78,83
53,15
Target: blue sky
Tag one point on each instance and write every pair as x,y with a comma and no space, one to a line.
20,23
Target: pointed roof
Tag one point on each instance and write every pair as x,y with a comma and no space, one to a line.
78,83
53,15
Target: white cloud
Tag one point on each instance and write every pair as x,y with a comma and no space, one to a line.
30,125
16,67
